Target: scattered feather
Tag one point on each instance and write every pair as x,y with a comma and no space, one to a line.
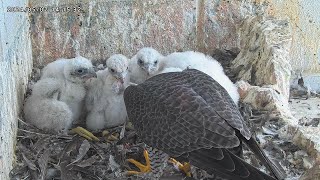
115,167
123,130
85,146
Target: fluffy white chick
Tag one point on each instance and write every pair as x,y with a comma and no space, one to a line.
67,85
76,72
104,100
144,64
44,109
54,69
179,61
73,73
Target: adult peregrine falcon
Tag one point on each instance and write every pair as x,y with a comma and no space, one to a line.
189,116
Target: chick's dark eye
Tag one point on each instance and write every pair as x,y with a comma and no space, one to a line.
127,68
156,62
80,71
140,61
112,70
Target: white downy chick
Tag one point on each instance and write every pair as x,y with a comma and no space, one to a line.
104,100
179,61
66,81
144,64
76,72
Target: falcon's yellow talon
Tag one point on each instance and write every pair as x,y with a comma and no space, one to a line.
130,173
85,136
105,132
143,168
185,167
84,133
173,161
111,137
129,126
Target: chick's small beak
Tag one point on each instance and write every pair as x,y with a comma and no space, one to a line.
94,75
149,70
122,77
91,74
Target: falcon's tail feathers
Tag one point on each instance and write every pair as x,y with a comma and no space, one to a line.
274,168
223,164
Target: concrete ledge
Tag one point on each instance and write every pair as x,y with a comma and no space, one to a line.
15,66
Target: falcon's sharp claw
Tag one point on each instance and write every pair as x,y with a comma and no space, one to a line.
185,167
143,168
84,133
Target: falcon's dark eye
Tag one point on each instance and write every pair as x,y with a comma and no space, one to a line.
112,70
140,61
156,62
